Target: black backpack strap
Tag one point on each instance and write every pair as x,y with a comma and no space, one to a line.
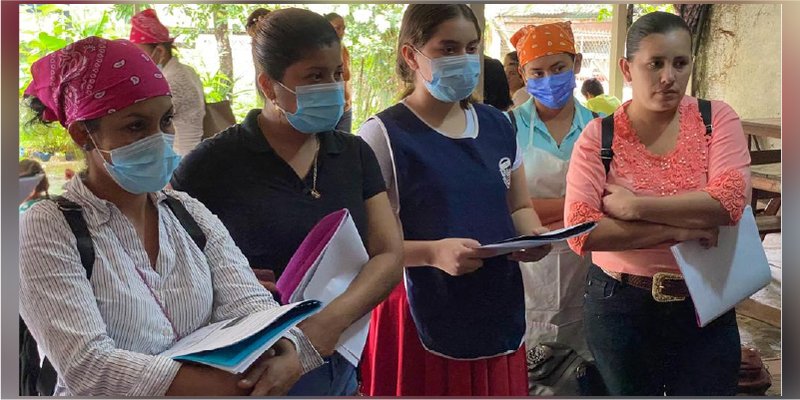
595,115
44,379
73,213
187,221
705,112
606,140
513,120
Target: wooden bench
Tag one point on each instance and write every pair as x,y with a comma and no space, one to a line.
768,224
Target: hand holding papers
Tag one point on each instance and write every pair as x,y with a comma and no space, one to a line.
235,344
720,277
322,268
529,241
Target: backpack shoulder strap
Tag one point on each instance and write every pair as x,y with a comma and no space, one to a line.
73,213
187,221
513,120
705,113
606,140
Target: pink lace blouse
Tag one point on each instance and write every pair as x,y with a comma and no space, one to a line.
718,165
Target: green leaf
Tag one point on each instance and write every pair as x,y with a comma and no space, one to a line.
45,9
99,27
604,14
51,43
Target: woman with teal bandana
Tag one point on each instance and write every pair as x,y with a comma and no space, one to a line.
547,127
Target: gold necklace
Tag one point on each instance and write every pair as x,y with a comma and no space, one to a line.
314,193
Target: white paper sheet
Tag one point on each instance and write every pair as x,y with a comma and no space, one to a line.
720,277
338,265
526,242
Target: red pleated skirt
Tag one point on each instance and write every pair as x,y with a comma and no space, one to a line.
394,362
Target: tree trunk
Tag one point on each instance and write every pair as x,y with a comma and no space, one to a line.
220,21
630,15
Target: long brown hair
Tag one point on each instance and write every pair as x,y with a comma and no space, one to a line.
418,26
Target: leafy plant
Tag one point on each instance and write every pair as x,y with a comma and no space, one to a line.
371,37
605,13
36,41
216,86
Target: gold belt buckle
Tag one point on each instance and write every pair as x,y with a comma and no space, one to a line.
658,286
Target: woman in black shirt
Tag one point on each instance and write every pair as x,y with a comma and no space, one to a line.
271,178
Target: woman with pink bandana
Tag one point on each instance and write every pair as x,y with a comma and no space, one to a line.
151,284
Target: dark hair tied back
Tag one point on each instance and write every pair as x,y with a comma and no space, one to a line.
286,36
649,24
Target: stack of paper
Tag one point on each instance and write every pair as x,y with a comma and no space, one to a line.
235,344
529,241
323,267
720,277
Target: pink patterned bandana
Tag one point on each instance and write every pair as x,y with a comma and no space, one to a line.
147,29
94,77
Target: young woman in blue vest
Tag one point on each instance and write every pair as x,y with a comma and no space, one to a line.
455,179
548,124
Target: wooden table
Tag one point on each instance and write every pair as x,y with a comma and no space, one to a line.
765,172
762,127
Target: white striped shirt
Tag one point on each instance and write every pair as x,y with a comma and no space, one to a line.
103,336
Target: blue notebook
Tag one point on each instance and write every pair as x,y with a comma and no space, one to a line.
234,345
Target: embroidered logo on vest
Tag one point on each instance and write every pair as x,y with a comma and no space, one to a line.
505,171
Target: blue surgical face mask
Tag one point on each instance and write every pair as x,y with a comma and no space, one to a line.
319,107
453,78
553,91
143,166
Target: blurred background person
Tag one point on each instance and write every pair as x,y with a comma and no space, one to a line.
596,99
152,37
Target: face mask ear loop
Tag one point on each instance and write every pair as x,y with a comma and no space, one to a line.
275,101
430,62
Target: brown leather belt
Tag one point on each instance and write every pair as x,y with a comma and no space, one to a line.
664,286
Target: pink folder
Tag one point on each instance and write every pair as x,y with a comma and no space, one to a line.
308,252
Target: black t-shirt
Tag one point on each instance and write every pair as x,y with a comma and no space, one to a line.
266,207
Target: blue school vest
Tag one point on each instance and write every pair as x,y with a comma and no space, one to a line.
451,188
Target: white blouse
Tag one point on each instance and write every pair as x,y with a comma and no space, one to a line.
104,336
188,99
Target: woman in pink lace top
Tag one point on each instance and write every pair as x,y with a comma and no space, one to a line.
670,180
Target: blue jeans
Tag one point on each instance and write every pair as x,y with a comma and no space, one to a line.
646,348
337,377
346,122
